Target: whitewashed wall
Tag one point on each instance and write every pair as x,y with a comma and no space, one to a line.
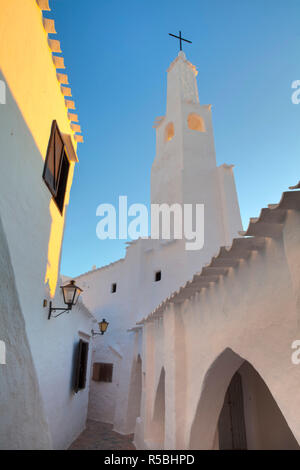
33,227
24,208
251,314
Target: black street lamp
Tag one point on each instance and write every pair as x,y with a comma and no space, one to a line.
71,292
102,327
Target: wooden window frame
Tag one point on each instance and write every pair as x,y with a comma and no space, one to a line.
57,152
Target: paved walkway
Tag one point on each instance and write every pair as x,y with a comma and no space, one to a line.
100,436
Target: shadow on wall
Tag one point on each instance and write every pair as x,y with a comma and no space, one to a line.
236,410
157,430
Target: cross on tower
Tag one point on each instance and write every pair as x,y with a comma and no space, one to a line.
180,39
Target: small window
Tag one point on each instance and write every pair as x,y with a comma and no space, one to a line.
81,365
114,288
157,276
102,372
56,167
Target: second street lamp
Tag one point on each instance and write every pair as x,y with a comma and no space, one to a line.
102,327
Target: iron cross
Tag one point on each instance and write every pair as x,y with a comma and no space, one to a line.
180,39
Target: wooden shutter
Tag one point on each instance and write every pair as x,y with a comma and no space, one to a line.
53,160
81,365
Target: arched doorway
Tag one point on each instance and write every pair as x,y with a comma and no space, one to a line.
236,410
158,421
250,417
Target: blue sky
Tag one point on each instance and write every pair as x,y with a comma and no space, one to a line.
117,52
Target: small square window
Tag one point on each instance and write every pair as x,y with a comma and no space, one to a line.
102,372
157,276
114,288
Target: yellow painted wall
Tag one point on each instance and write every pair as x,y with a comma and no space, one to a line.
27,66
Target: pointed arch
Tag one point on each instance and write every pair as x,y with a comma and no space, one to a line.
158,418
135,393
231,381
215,384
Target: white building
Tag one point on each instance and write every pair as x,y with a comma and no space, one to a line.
202,350
184,171
39,408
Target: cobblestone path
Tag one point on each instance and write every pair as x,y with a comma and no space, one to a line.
100,436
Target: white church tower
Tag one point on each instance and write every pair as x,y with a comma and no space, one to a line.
184,170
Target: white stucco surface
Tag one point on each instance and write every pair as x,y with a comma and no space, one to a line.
40,352
24,208
202,338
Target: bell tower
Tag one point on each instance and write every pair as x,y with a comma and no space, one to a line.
184,169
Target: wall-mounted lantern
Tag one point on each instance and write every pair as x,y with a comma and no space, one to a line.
102,327
71,292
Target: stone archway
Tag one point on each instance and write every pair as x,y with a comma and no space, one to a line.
158,420
236,410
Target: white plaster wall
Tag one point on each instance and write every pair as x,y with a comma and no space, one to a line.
113,345
253,310
103,395
25,212
66,410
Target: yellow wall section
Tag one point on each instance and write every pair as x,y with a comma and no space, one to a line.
26,63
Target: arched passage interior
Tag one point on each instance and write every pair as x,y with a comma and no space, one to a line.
236,410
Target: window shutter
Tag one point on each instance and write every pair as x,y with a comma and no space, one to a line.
77,368
81,366
49,167
53,161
